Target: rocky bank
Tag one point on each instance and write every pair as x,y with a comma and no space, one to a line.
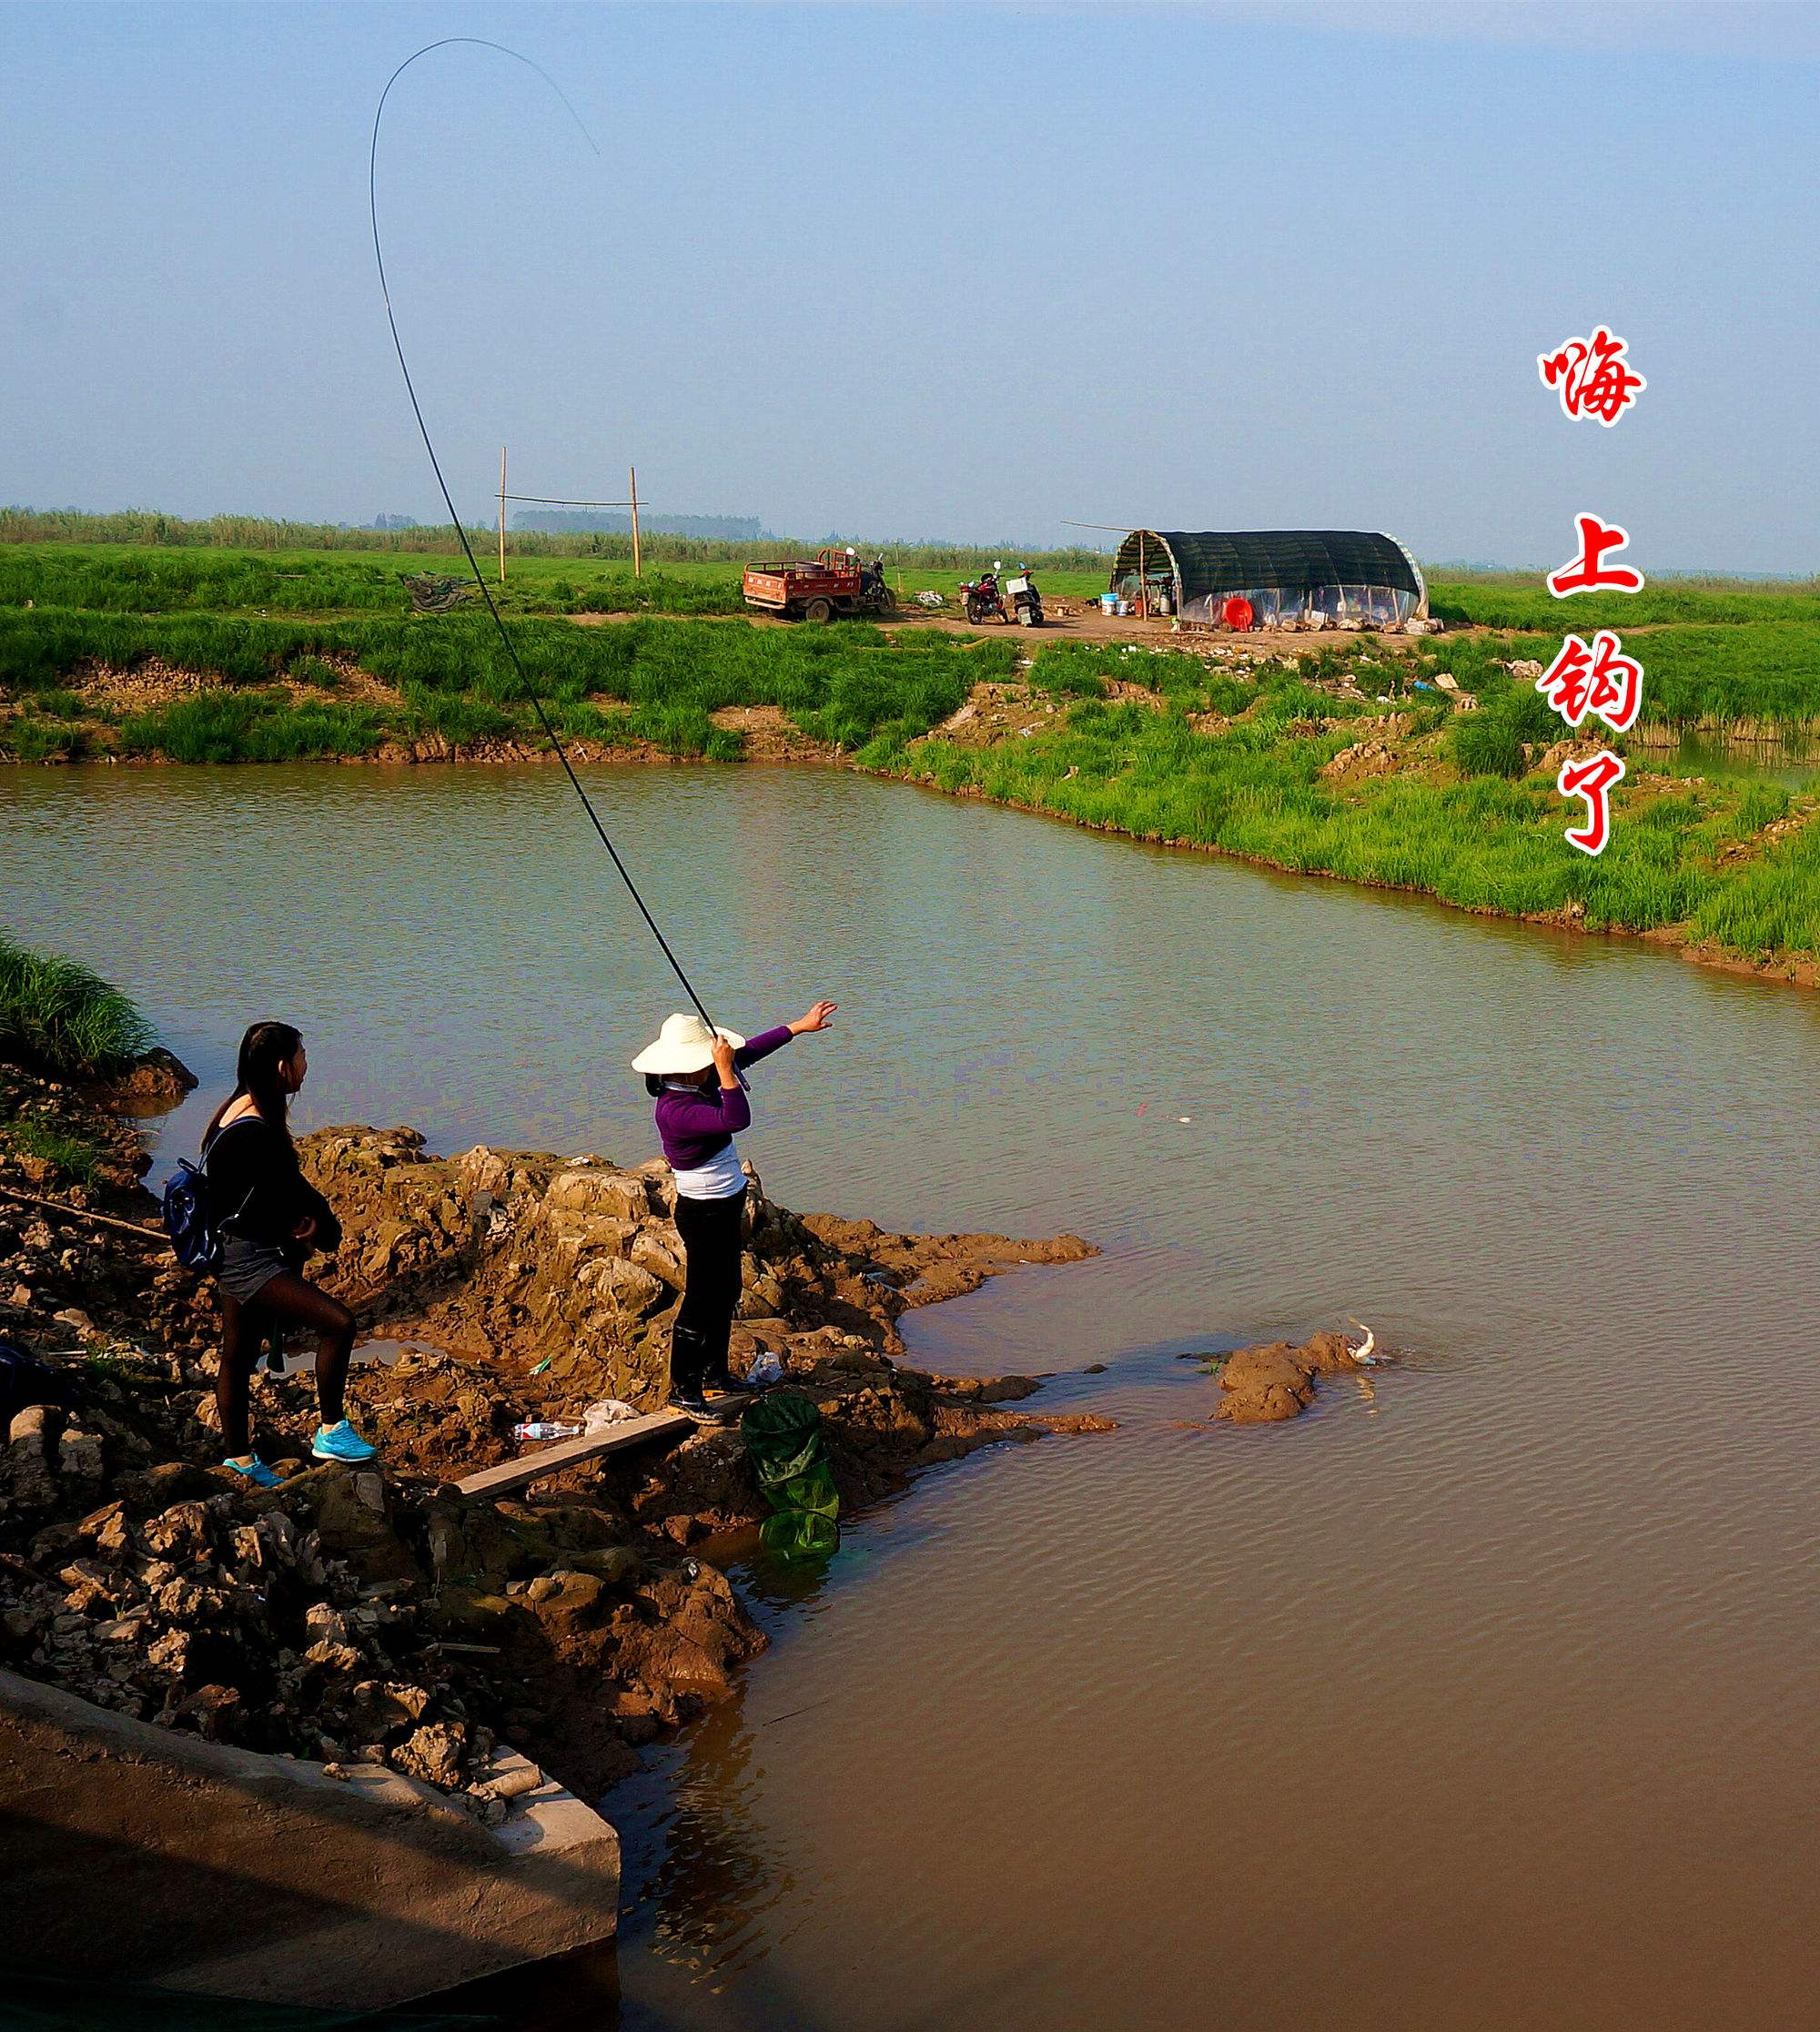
375,1614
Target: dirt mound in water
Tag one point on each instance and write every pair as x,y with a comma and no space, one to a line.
1264,1385
374,1614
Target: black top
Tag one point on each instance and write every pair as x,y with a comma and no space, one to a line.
256,1187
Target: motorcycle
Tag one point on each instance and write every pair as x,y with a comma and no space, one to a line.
1026,602
983,600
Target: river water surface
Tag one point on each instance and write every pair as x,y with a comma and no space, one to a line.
1482,1696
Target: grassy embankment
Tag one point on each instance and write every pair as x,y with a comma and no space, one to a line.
1159,746
1468,811
293,690
58,1019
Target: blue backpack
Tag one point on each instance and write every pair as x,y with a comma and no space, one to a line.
188,1220
189,1215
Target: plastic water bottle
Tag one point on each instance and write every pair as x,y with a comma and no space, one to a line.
547,1429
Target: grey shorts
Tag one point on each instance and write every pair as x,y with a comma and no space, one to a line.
247,1266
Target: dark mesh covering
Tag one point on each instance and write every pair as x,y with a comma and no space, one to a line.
1283,572
1218,561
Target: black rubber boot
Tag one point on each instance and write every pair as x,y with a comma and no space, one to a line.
688,1357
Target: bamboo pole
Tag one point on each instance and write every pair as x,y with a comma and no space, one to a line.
637,561
153,1235
502,514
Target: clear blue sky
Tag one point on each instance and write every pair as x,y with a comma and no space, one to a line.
960,271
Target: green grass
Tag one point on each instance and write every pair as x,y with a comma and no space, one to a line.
251,726
128,579
282,631
58,1017
146,529
73,1160
848,685
1491,740
1507,599
1468,827
125,580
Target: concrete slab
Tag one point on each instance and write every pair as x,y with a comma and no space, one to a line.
142,1853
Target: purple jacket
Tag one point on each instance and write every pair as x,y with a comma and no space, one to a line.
698,1125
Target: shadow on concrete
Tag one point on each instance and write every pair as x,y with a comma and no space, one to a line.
133,1853
33,2000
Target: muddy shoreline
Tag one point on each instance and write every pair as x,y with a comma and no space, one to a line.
361,1616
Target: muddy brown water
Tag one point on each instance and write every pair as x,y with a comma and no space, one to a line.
1482,1696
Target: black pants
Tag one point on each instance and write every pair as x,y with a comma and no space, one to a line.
710,1229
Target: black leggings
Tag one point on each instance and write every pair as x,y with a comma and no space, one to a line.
710,1229
284,1300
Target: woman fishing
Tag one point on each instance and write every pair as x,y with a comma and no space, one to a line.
695,1071
270,1218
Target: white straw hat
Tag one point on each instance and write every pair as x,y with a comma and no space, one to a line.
684,1045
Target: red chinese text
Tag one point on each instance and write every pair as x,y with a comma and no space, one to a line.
1586,573
1591,377
1601,680
1591,778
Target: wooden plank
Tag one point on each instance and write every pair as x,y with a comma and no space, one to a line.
568,1453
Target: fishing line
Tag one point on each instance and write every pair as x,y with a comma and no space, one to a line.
529,689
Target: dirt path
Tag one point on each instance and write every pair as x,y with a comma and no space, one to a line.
1086,625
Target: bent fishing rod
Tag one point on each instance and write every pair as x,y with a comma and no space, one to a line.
525,685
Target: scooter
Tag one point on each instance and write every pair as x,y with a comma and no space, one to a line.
1026,602
983,600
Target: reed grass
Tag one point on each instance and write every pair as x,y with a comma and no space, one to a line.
58,1017
148,528
1523,603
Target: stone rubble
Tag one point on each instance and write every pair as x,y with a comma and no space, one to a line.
372,1616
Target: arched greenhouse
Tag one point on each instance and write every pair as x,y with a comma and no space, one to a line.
1318,578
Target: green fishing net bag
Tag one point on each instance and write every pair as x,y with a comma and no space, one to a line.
782,1435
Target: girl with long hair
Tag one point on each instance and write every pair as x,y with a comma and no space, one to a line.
270,1218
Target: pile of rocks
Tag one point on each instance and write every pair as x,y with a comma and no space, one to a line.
374,1616
229,1614
345,1618
561,1275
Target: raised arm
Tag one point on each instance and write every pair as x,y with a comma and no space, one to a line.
763,1045
768,1041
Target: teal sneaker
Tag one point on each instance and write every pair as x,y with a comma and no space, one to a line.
341,1442
255,1471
